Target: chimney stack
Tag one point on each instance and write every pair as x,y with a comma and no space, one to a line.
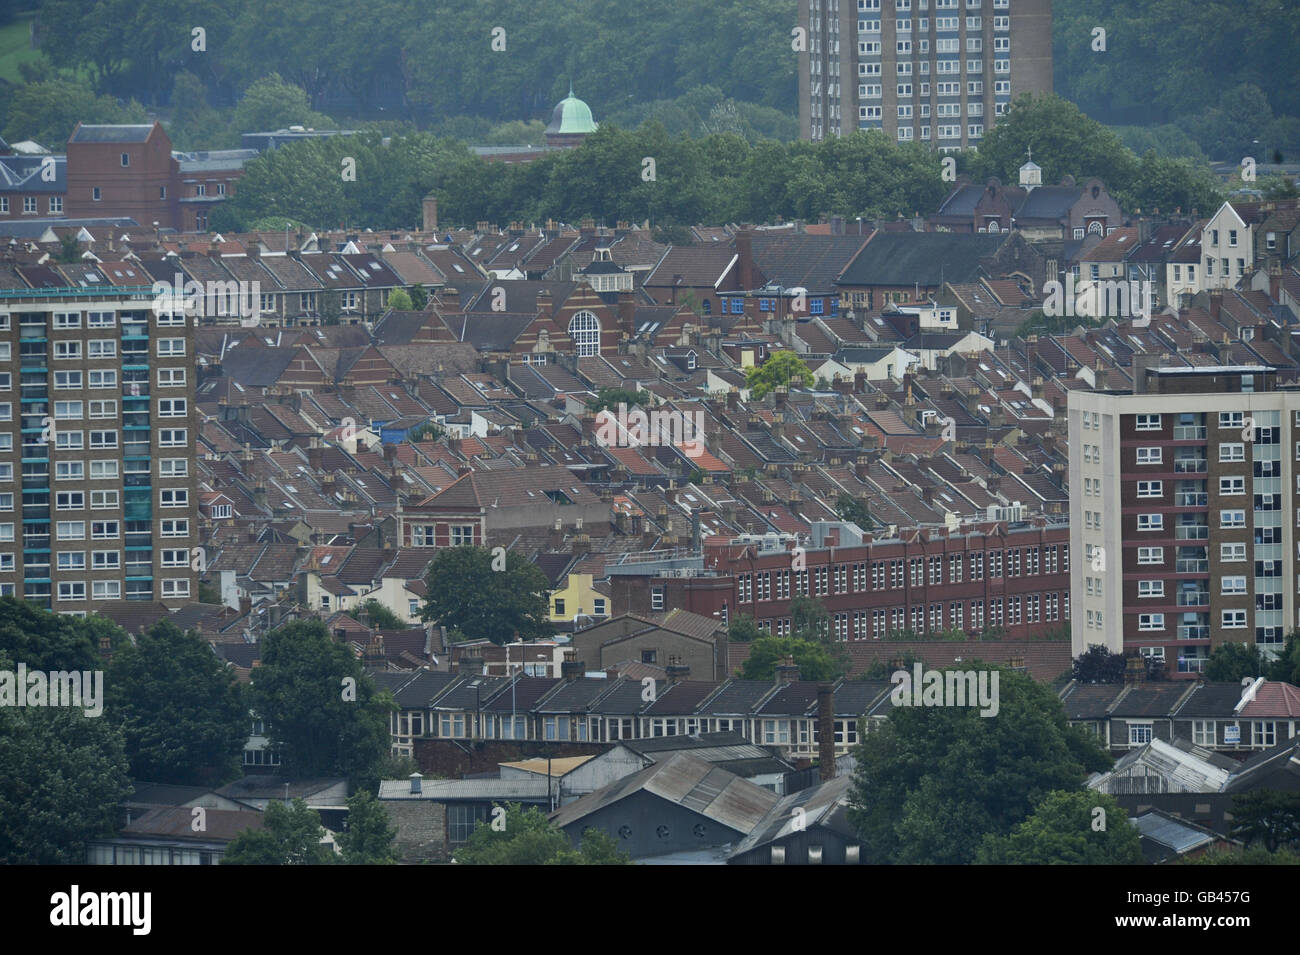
787,672
677,670
572,668
826,731
415,784
430,209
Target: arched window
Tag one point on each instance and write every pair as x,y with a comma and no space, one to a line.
1096,228
584,329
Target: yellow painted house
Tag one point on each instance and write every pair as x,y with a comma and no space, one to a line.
577,596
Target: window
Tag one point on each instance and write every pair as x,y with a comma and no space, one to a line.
71,530
1139,734
69,471
1263,733
70,501
67,381
1151,555
1232,419
657,598
1232,585
1234,620
104,530
72,560
107,589
95,194
1150,489
1232,553
171,347
173,497
1147,422
174,528
462,534
103,439
1232,451
171,408
1151,588
72,590
1150,522
1149,455
1232,518
1232,485
100,319
1204,733
173,437
173,467
103,500
102,379
69,440
66,350
171,377
175,587
103,409
1151,621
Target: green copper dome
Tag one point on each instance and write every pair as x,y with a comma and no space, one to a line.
571,116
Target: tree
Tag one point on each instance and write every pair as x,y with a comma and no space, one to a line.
271,103
527,837
1099,665
1256,855
179,706
419,297
1286,668
322,712
381,616
292,836
1266,816
400,301
809,619
62,775
1232,662
611,398
1063,830
742,629
49,110
779,370
368,839
812,658
467,593
850,509
933,780
49,641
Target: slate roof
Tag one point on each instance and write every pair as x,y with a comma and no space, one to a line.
928,258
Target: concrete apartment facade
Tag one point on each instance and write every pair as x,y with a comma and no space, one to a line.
1180,504
938,72
97,435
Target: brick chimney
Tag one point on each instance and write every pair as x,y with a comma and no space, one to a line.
1135,673
429,206
745,252
826,731
677,670
572,669
787,672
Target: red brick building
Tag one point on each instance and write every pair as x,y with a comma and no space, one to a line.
123,171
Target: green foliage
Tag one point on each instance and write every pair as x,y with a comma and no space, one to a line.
419,296
179,706
299,692
270,103
933,781
813,659
62,775
425,432
369,837
1060,831
1268,817
611,398
780,370
528,838
849,508
466,594
742,629
400,301
1286,667
49,641
1231,662
292,836
48,111
1099,665
881,669
380,616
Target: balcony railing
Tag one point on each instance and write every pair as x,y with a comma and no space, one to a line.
1193,600
1193,567
1194,665
1191,532
1189,432
1191,499
1190,466
1193,633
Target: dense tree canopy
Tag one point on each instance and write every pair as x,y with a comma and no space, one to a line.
812,658
934,780
321,709
1067,828
526,837
466,592
180,708
50,641
62,775
292,836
